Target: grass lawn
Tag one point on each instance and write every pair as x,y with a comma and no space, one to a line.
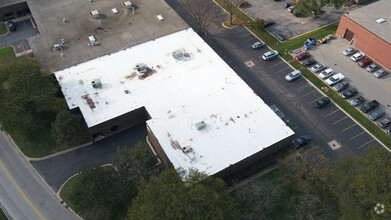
7,54
2,215
3,29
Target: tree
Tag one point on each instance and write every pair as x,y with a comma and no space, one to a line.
311,206
134,165
66,129
230,7
22,86
201,11
363,182
258,198
314,7
196,197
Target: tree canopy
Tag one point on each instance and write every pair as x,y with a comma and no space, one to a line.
66,129
314,7
201,11
195,196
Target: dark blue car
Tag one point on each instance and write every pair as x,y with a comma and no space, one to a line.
301,141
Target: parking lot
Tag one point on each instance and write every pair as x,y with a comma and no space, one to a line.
330,54
286,23
19,38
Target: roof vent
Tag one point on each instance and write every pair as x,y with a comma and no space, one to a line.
381,20
177,54
95,14
160,17
141,68
96,83
200,125
127,4
188,151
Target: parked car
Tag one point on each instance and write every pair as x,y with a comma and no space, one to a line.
291,8
287,4
242,4
326,73
376,115
295,13
341,86
357,101
318,67
365,62
371,68
334,79
270,55
370,106
348,51
321,102
385,122
302,56
309,62
11,26
268,23
389,132
350,93
293,76
281,37
357,56
380,73
258,45
301,141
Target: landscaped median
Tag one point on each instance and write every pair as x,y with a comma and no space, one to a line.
284,48
3,29
7,54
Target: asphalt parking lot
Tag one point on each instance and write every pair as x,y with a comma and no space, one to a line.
286,23
19,38
330,54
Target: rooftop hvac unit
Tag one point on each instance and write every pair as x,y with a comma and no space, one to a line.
127,4
141,68
58,47
160,17
187,149
177,54
381,20
200,125
95,14
96,83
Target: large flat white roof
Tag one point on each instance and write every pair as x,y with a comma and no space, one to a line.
177,95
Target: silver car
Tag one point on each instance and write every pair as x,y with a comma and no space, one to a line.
318,67
348,51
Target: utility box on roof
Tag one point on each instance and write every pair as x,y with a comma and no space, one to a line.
127,4
95,14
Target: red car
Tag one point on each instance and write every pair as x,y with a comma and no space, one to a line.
302,56
242,4
365,62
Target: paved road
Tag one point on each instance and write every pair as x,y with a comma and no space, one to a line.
18,38
56,170
329,127
22,192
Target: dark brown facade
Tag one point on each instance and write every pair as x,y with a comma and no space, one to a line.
158,148
13,11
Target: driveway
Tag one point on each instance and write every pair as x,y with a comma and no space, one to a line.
18,38
56,170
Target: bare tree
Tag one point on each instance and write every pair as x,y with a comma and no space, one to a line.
230,7
311,206
201,11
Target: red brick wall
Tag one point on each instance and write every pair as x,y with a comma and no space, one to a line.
367,42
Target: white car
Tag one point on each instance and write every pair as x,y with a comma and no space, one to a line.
270,55
318,67
326,73
357,56
335,79
349,51
293,75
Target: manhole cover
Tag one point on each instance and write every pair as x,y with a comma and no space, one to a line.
249,63
334,145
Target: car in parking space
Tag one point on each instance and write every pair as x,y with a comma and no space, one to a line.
242,4
357,101
318,67
370,106
293,76
270,55
380,73
385,122
309,62
371,68
326,73
321,102
302,56
267,23
291,8
350,93
258,45
287,4
301,141
11,26
349,51
357,56
281,37
334,79
376,115
364,62
341,86
389,132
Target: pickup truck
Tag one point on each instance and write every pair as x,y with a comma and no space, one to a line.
369,106
335,79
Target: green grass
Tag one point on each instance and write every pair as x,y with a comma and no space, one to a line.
2,215
7,55
3,29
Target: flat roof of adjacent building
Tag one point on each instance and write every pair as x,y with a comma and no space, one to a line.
178,94
367,15
114,31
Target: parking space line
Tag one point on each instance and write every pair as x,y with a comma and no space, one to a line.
245,35
365,144
332,112
315,99
283,69
251,39
340,120
295,128
356,135
308,93
276,64
301,87
348,127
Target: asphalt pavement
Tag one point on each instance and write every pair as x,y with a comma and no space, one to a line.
18,38
22,193
56,170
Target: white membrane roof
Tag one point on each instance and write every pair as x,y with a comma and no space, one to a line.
178,94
